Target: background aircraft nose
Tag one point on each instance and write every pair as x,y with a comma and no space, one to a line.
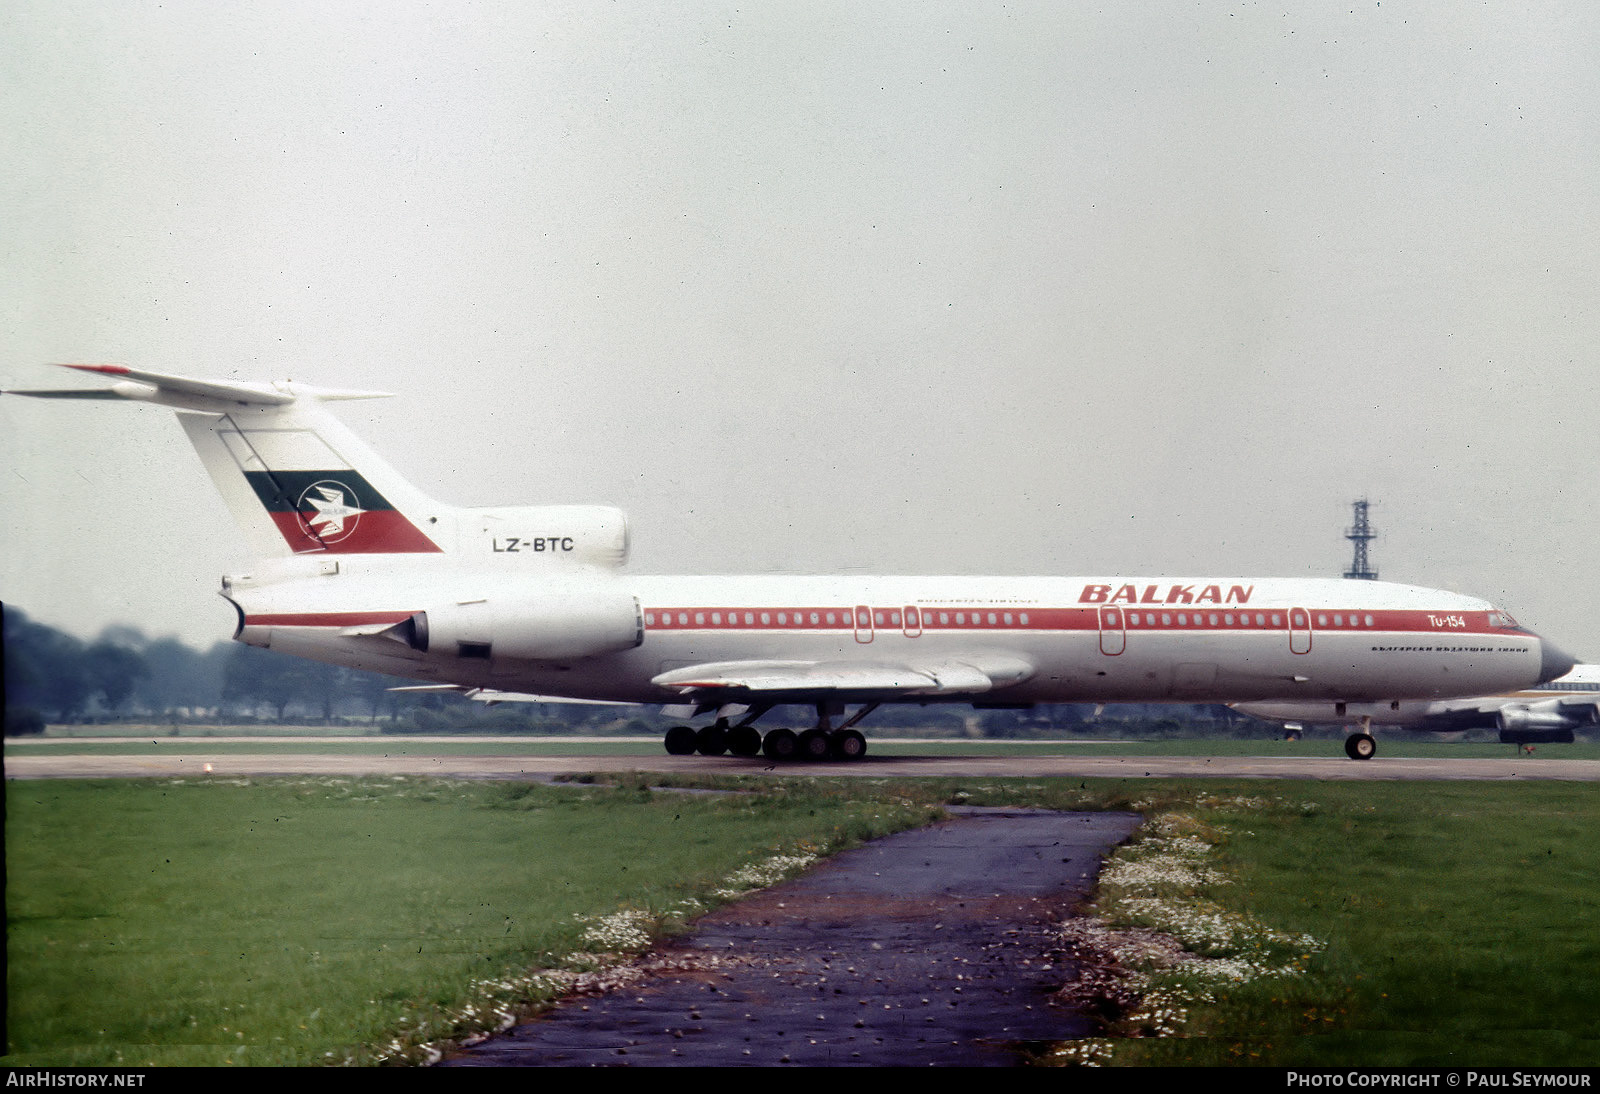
1553,661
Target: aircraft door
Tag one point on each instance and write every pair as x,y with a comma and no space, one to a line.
1299,630
863,624
1113,639
913,620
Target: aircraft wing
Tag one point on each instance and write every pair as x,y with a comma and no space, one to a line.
857,679
491,696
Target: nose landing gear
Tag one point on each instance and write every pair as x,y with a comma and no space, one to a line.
1362,745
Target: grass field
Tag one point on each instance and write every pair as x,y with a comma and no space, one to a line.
297,921
1409,924
303,921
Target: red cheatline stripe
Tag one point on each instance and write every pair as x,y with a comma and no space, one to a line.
1039,619
325,619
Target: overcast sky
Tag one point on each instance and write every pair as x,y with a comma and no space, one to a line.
1125,288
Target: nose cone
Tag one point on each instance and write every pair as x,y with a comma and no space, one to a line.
1553,661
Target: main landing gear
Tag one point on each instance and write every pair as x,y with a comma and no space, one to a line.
820,742
1361,746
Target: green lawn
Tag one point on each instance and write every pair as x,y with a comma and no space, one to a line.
299,920
295,921
1426,923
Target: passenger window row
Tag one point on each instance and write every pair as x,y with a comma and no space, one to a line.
821,617
914,618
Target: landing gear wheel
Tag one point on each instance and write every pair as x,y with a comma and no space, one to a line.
712,740
813,745
681,741
781,744
744,741
1360,746
848,745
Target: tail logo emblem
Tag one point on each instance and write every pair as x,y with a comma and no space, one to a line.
329,510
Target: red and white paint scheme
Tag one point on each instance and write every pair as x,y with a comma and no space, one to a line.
1547,713
358,568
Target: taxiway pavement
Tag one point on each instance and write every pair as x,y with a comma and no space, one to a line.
414,760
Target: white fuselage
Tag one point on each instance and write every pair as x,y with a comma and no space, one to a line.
360,568
1056,639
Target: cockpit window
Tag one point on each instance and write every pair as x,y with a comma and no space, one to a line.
1501,619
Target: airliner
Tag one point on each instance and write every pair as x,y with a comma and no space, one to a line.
358,568
1544,714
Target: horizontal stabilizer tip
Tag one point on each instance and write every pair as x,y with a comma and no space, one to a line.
171,390
66,393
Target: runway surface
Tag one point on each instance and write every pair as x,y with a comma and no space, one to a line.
411,758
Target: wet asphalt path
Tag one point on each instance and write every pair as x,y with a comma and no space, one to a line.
929,948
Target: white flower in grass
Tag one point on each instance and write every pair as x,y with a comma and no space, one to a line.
623,931
1087,1053
763,874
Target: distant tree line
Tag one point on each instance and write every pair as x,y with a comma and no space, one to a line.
125,676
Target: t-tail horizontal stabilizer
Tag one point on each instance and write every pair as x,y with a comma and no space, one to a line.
191,393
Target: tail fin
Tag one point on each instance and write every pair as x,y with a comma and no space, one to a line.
295,479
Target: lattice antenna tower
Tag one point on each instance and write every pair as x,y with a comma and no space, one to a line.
1361,534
